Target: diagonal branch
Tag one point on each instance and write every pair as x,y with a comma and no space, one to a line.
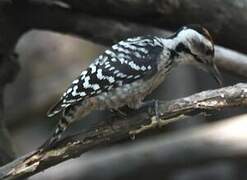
121,129
216,150
216,15
106,31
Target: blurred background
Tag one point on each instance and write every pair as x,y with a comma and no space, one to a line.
50,61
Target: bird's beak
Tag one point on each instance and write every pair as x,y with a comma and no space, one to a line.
214,71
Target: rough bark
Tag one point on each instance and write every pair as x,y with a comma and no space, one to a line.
215,151
134,124
106,31
224,18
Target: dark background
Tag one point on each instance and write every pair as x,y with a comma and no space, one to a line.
49,61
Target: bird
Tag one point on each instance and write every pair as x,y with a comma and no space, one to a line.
131,69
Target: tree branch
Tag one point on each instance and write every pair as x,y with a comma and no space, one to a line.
107,31
217,150
66,20
216,15
231,61
135,122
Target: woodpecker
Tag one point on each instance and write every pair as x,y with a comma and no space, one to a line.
130,70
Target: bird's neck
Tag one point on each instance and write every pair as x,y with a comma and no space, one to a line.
178,47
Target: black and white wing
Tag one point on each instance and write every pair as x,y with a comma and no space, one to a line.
124,63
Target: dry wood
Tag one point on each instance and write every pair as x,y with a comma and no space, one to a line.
120,129
214,150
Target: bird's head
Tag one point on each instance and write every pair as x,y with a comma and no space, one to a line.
195,42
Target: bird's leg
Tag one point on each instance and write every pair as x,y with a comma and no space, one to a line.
122,112
119,113
154,104
156,108
156,121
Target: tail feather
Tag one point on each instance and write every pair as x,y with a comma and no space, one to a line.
62,125
55,109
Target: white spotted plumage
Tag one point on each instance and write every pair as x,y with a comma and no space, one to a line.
128,71
125,62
